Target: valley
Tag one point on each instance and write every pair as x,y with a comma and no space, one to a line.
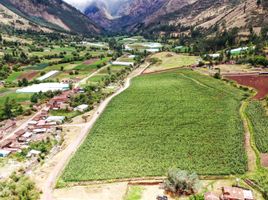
133,100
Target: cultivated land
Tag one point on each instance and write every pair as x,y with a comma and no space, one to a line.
259,121
173,119
168,60
258,82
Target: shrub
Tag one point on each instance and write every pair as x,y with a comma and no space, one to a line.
181,182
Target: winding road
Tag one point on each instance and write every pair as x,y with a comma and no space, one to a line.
70,150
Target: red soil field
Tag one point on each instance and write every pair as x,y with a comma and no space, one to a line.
260,83
91,61
29,75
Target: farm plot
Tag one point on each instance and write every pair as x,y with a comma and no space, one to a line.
174,119
259,121
93,66
260,83
168,60
20,98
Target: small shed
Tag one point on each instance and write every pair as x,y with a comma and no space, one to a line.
81,108
33,153
4,153
57,119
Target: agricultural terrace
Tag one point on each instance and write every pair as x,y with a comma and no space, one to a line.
169,60
173,119
259,122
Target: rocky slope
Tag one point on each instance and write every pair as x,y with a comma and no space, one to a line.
52,14
132,14
156,16
226,14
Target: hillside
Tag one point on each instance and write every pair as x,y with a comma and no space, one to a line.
9,18
52,14
131,14
160,16
208,13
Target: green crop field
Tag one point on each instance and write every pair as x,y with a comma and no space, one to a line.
92,66
20,98
173,119
259,120
168,60
13,77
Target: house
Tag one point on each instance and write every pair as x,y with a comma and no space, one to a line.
5,143
4,153
235,193
33,153
81,108
9,124
56,119
40,130
25,137
231,193
20,133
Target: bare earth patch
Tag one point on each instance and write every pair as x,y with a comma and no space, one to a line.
114,191
264,159
90,61
28,75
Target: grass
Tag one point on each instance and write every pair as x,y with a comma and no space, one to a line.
173,119
20,98
134,193
171,60
13,77
259,120
68,114
92,66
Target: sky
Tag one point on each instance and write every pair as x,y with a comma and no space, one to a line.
82,4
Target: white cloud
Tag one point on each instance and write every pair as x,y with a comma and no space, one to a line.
82,4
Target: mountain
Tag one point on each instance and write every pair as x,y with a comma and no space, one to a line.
160,16
225,14
51,14
130,14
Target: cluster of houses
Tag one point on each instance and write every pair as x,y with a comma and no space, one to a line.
38,129
231,193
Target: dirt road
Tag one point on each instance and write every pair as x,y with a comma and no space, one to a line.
56,171
88,77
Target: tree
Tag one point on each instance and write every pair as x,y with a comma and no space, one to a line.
181,182
8,108
258,3
25,82
34,98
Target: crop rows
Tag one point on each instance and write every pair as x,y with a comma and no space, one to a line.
259,120
173,119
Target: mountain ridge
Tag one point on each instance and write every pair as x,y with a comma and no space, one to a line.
53,14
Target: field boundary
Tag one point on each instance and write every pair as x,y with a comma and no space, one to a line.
249,147
139,181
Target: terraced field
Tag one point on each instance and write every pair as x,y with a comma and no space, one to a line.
174,119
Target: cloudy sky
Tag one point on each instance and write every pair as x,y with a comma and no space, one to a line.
81,4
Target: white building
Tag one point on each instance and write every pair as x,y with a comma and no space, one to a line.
81,108
44,87
48,75
57,119
4,153
123,63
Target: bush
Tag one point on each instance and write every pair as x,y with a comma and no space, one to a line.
181,182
